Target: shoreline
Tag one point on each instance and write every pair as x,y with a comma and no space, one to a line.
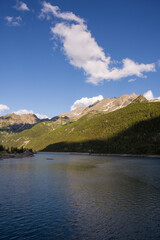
29,154
105,154
15,155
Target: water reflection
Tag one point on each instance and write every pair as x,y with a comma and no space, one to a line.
80,197
110,201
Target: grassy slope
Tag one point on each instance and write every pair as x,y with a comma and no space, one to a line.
134,129
90,132
22,138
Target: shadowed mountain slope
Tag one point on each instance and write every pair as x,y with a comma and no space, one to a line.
141,138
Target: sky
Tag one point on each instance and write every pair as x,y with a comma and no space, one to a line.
61,54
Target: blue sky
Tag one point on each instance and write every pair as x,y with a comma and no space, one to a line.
52,56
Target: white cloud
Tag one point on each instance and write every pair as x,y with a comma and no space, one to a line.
41,116
3,108
49,9
21,6
132,80
13,21
149,95
130,68
24,111
83,51
85,102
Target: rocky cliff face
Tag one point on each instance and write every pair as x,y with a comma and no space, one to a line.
16,123
106,105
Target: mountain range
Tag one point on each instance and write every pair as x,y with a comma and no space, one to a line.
128,124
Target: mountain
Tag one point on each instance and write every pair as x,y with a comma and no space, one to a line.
22,138
16,123
140,99
104,106
134,129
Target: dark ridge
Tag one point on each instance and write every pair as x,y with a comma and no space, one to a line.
54,119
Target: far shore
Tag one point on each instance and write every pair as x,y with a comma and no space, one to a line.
105,154
30,154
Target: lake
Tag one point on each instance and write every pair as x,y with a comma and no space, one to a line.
66,196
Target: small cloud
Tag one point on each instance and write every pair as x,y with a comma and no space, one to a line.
41,116
13,21
21,6
85,102
25,111
132,80
3,108
149,95
48,9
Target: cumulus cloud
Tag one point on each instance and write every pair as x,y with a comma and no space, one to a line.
83,51
149,95
21,6
3,108
25,111
13,21
85,102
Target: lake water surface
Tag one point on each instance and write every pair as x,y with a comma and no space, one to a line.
80,197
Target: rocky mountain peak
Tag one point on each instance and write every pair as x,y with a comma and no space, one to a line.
140,98
29,118
106,105
15,123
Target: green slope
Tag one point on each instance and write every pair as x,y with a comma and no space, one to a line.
24,137
133,129
103,128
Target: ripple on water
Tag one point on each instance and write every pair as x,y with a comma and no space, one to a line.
80,197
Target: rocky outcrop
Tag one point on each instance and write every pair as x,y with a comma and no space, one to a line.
6,155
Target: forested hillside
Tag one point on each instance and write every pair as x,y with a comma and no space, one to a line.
134,129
